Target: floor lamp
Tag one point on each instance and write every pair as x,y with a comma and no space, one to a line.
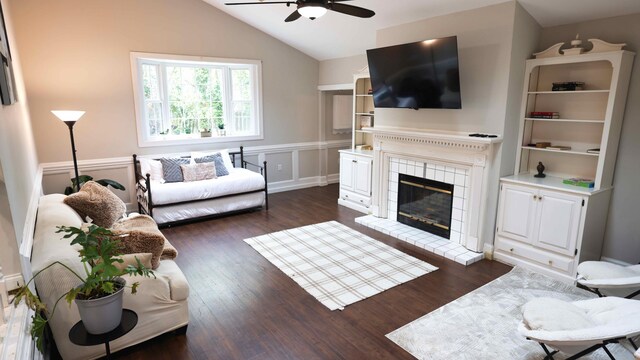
70,117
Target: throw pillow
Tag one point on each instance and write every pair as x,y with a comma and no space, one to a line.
197,172
216,158
151,167
224,153
140,234
171,171
98,203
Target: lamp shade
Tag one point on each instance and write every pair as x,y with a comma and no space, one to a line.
312,10
68,115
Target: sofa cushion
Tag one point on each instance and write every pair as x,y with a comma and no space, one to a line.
221,169
98,203
140,234
197,172
171,171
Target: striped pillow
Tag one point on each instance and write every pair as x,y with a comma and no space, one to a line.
171,171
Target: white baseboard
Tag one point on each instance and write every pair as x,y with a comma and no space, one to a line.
333,178
615,261
488,251
13,281
288,185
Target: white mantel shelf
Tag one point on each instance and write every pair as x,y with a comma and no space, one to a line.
451,137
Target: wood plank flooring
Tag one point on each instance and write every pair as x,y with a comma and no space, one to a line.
243,307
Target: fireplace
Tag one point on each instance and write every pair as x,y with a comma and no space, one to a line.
425,204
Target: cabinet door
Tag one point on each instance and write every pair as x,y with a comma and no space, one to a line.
346,171
517,213
558,221
362,181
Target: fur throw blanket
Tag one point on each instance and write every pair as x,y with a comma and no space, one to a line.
140,234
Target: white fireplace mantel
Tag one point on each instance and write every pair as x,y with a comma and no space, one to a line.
455,150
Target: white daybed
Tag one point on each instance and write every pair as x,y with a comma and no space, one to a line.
178,202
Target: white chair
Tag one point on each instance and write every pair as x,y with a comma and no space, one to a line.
580,327
604,278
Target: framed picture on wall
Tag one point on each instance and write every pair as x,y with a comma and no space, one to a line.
7,82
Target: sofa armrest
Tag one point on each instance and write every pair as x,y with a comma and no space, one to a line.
178,284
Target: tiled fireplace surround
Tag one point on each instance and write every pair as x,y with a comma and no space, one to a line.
453,158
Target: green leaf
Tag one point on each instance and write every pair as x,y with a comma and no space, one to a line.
108,182
38,324
134,287
71,295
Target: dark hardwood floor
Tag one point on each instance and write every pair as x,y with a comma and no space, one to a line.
242,307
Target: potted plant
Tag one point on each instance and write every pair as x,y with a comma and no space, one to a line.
221,131
99,293
86,178
205,133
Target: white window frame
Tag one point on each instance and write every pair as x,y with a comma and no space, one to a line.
144,140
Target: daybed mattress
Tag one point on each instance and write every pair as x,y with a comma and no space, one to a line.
238,181
179,212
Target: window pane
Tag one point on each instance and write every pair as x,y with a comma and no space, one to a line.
150,82
241,84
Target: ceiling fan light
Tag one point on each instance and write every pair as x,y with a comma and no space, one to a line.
312,11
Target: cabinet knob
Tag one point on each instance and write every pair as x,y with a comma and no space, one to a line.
535,197
355,161
361,201
511,249
550,262
540,198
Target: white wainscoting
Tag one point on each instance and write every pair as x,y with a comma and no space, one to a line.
122,168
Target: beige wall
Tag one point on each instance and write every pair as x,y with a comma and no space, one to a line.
341,70
18,161
78,57
622,237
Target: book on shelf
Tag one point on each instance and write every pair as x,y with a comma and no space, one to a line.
587,183
545,114
593,151
558,147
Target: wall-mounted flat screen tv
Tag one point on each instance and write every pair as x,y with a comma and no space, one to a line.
420,75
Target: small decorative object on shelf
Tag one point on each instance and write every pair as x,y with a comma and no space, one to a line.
545,115
575,49
587,183
540,169
593,151
542,144
603,46
366,121
205,133
552,51
568,86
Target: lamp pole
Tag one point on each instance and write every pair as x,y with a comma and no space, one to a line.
70,117
73,151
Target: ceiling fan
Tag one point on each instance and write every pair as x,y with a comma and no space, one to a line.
313,9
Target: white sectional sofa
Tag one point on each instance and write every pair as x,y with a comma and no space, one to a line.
161,303
177,202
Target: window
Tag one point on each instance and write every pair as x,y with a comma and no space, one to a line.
187,100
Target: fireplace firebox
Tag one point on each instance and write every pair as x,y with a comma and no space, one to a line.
425,204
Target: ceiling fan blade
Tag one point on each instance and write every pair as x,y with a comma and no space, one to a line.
262,3
293,17
351,10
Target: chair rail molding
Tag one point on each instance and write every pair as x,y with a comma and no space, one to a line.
123,166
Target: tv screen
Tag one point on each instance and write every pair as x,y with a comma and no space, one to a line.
417,75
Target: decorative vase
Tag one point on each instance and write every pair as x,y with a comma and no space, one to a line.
540,169
205,133
104,314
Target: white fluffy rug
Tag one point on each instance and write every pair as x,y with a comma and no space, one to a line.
483,323
336,264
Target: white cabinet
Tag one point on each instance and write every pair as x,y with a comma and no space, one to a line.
355,180
540,228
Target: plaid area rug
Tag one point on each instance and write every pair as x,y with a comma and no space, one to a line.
336,264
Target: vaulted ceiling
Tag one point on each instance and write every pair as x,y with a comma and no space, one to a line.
336,35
